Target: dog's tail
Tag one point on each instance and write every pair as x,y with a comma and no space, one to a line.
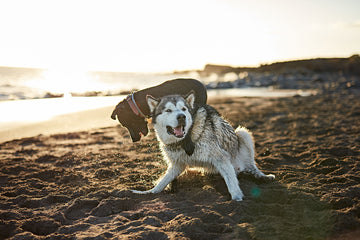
246,138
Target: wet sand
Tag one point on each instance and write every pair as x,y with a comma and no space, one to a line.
76,185
70,122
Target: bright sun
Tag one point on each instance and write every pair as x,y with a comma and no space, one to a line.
65,81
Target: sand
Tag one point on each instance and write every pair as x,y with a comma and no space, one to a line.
76,185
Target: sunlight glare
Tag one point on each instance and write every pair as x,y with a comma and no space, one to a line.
61,81
64,82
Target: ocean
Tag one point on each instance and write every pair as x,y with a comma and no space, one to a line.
33,95
28,83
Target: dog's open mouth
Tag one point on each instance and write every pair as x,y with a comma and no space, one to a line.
178,131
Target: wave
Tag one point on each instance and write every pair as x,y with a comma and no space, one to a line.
18,92
59,84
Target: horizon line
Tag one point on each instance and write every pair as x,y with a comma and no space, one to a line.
186,69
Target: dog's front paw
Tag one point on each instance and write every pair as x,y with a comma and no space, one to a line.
141,192
237,197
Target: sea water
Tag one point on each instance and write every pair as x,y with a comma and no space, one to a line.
19,83
23,92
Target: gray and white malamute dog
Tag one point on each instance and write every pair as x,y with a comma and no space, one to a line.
218,147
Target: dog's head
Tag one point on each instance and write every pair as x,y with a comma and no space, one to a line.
171,116
136,125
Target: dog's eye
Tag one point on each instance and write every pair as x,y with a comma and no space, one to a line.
183,109
168,110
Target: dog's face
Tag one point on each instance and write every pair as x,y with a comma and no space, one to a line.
171,115
135,124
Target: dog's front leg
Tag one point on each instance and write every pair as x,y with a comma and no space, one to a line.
172,172
227,171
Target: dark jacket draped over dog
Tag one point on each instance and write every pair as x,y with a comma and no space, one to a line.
137,124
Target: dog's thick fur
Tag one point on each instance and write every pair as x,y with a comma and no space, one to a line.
137,125
218,147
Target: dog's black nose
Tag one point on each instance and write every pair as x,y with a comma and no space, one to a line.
181,118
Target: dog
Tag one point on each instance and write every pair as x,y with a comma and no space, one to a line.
133,111
218,147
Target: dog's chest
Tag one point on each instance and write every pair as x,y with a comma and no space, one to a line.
199,158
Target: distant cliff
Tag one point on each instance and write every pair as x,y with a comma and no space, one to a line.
349,65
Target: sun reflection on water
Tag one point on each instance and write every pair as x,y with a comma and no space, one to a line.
66,81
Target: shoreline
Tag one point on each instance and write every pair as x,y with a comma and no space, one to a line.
65,123
61,115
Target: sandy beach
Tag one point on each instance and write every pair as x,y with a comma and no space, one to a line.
75,185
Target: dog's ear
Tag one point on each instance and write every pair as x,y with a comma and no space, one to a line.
152,102
190,98
113,115
117,110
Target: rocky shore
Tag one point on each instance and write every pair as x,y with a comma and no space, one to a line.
321,74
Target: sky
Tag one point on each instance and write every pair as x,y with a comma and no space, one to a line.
167,35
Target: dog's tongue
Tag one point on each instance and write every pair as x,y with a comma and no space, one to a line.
178,131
